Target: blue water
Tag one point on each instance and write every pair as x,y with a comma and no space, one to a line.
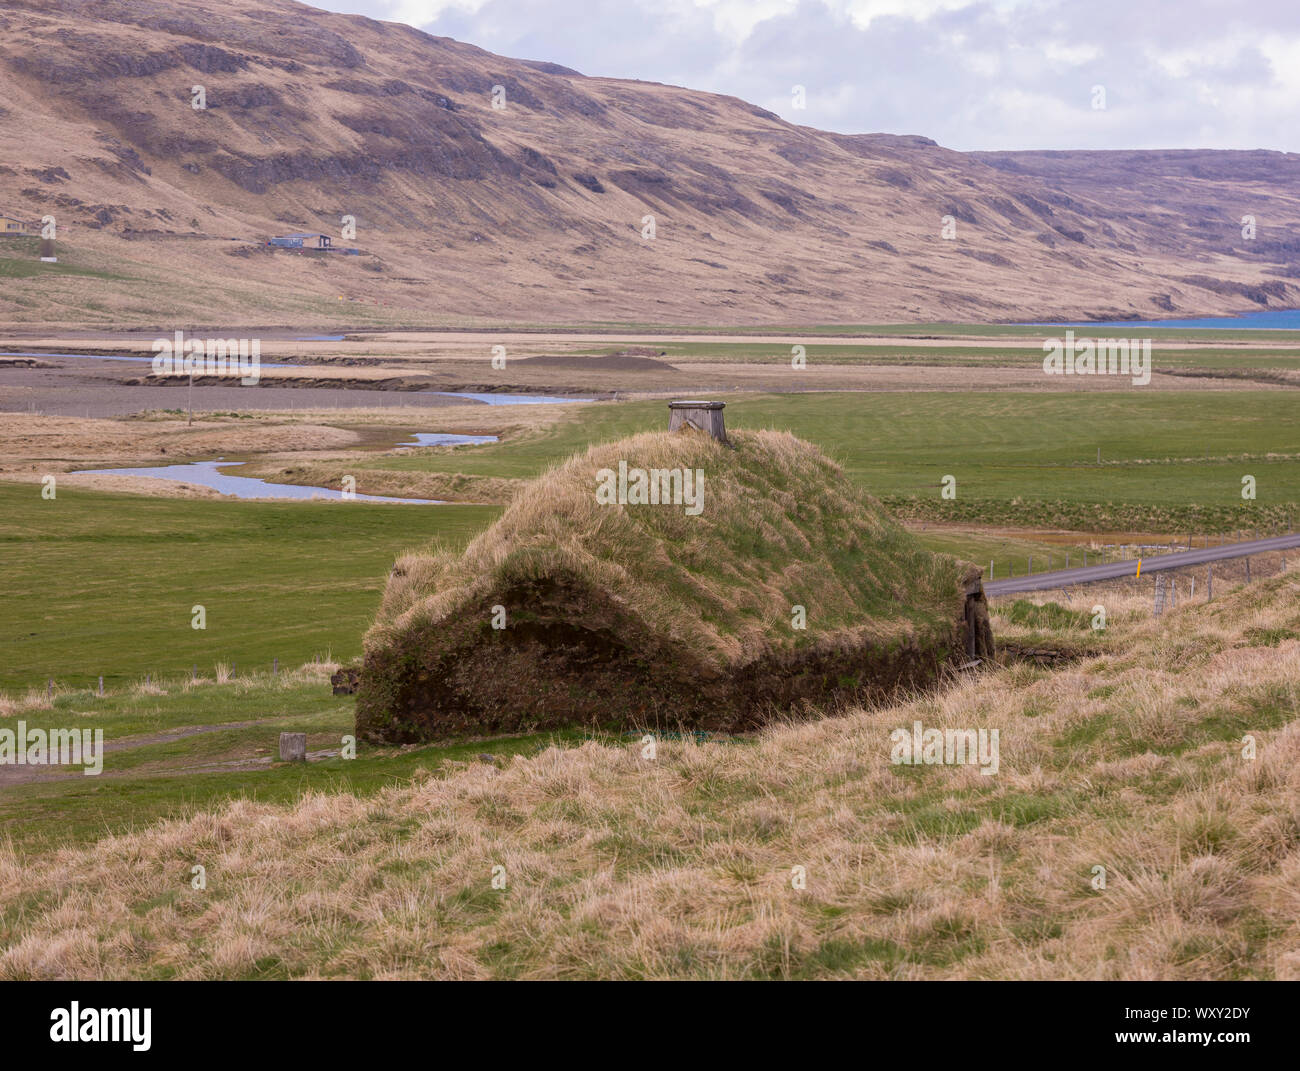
432,438
319,338
208,474
507,399
1270,320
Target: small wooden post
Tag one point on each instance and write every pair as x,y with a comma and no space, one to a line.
275,666
49,688
194,672
1247,570
702,416
1209,585
293,747
101,685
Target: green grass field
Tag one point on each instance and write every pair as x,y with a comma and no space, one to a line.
105,584
20,258
1167,448
920,330
1027,353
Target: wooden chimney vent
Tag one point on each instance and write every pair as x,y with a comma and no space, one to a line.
702,416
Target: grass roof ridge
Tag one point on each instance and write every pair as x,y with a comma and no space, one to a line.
779,527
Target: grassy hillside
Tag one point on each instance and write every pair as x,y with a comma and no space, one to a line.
757,219
619,865
662,614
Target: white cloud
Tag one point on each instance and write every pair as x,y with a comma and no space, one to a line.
972,74
1071,54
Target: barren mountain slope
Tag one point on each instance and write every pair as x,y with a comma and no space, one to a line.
535,211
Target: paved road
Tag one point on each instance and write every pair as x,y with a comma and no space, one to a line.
1064,578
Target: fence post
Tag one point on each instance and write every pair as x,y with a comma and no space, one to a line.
293,747
1247,569
101,685
1209,597
275,666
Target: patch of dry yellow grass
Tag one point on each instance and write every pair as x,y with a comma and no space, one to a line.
15,703
617,865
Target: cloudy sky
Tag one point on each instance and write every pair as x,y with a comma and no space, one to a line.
972,74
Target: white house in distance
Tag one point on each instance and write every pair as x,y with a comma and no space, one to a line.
301,241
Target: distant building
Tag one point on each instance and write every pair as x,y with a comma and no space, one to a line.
301,241
12,225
